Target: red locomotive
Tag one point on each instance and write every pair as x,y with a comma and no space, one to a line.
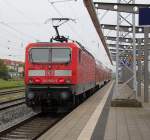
61,73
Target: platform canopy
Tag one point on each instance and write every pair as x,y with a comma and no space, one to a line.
91,9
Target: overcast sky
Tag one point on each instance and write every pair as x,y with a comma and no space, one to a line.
23,21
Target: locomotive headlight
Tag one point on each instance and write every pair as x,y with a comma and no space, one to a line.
30,81
61,80
30,95
37,81
68,81
64,95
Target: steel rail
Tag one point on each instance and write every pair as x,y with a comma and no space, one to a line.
31,128
11,91
12,103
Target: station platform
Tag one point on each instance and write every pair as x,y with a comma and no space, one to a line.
127,123
95,119
81,122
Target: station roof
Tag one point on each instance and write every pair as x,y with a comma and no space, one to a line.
91,9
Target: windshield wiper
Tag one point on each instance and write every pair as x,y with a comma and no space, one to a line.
31,59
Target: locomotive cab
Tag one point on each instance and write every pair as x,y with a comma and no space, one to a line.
60,74
49,72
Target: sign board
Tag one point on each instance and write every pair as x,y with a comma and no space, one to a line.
144,16
138,58
124,62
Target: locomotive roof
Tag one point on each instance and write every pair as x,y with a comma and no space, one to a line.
98,62
83,48
79,44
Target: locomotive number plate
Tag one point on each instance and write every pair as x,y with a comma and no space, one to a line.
49,73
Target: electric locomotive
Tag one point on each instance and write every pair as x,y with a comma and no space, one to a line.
60,73
57,72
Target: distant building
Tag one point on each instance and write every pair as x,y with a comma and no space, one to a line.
16,68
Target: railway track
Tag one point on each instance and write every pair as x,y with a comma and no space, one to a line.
30,129
6,92
12,97
11,103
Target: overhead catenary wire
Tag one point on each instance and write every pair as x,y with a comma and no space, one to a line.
74,14
16,30
25,23
8,47
60,1
4,45
20,37
20,12
81,26
70,27
24,16
25,36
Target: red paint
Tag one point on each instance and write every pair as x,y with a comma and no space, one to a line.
83,66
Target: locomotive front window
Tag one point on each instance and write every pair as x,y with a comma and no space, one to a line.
60,55
39,55
50,55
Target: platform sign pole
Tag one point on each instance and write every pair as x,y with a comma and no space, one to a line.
146,76
134,55
117,52
139,68
144,20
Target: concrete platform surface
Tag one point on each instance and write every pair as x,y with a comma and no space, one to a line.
80,123
128,123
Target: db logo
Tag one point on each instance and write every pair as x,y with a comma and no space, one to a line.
49,73
52,81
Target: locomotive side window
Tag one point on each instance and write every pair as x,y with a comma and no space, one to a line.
50,55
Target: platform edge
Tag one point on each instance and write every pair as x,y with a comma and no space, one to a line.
88,130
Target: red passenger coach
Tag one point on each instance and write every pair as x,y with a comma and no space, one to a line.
99,74
57,73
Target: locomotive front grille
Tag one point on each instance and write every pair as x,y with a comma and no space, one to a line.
52,92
